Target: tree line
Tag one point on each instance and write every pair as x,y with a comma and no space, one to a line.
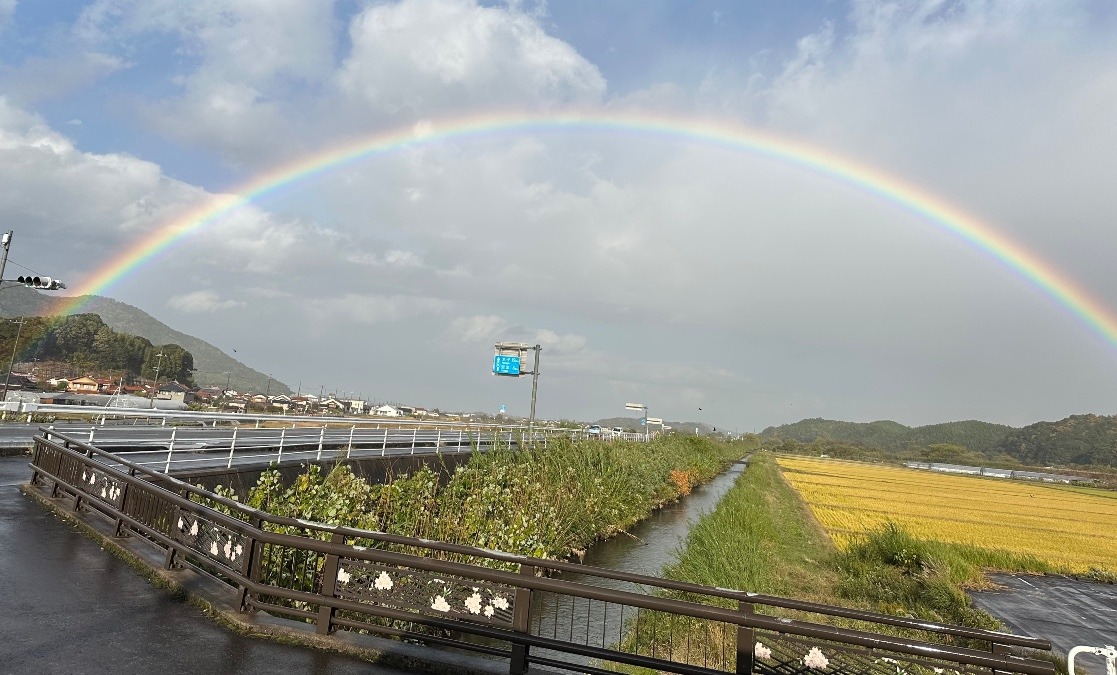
91,348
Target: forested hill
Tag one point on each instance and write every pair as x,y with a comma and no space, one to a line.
982,437
1078,439
214,367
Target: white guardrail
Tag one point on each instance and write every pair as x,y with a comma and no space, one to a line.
1108,651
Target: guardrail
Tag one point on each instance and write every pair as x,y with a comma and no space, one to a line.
340,578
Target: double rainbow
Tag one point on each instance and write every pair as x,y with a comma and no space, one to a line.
887,188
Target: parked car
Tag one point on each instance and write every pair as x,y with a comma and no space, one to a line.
594,430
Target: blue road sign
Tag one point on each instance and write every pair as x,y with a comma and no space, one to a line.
502,410
643,421
506,365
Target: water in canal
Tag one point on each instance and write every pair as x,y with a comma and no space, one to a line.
647,549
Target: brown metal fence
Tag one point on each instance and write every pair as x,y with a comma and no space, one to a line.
498,603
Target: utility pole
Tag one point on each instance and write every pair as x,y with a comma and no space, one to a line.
12,362
155,387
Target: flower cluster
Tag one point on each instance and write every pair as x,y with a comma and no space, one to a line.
761,651
816,659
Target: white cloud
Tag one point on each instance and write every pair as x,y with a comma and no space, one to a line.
481,328
202,301
428,56
7,11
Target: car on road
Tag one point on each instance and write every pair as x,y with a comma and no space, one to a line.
594,430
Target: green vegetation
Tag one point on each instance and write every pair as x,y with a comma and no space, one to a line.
545,503
1082,442
90,347
214,367
978,437
762,538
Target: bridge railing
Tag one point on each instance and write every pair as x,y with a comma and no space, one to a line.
499,603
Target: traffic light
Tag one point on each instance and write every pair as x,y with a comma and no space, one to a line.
42,283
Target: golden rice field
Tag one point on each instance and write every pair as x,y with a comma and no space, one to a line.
1071,527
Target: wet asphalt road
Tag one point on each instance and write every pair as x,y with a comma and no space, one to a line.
66,606
1067,612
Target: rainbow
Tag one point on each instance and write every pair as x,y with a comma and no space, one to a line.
890,189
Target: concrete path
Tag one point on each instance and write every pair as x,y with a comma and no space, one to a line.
70,607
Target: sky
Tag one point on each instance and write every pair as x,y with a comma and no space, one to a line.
710,282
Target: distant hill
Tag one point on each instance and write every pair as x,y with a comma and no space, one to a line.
210,363
982,437
1079,439
633,424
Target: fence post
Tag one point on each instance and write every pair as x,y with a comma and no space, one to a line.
521,623
170,449
91,430
745,641
329,587
251,565
1000,650
321,438
414,435
232,447
118,531
384,448
459,440
349,450
282,436
438,442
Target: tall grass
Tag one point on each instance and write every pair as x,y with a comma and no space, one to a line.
544,503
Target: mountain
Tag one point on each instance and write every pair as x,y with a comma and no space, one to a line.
210,363
982,437
1081,440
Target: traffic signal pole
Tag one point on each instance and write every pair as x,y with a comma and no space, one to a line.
7,242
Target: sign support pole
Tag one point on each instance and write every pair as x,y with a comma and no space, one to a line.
534,389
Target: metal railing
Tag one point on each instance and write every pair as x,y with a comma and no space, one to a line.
498,603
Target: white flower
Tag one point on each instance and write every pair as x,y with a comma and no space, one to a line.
240,549
213,548
104,493
938,671
194,529
228,549
440,604
343,576
473,603
500,602
761,651
84,476
383,582
489,611
180,524
92,478
815,659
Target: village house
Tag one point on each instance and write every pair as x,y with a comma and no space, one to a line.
83,385
176,392
387,411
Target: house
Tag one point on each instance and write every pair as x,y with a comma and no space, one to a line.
387,411
83,385
176,392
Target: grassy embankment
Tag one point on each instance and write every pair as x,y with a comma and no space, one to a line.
763,538
545,503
